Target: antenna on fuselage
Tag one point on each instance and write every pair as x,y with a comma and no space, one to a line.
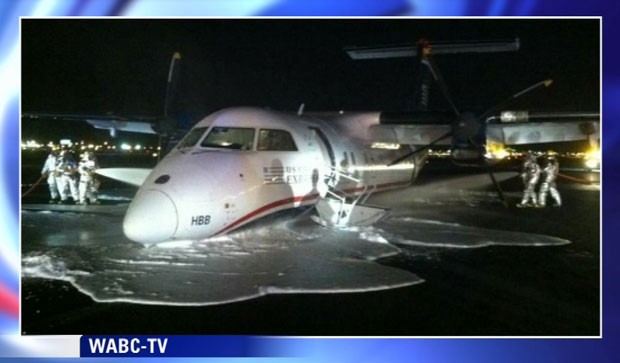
300,110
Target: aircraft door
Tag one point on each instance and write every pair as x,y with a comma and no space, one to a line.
325,146
327,153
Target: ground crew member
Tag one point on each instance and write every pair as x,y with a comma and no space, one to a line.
530,173
49,169
88,180
67,179
549,175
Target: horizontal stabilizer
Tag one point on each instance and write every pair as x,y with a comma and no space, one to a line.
400,51
133,176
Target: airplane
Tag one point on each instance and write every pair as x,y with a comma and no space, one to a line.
241,164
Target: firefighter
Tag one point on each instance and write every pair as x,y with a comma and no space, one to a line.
88,181
549,175
67,177
49,169
530,173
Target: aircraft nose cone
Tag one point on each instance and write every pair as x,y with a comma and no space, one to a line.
151,218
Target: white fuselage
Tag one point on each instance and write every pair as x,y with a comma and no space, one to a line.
240,164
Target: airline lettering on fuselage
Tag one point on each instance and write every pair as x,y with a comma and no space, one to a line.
287,174
201,220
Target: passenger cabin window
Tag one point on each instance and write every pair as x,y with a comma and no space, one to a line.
192,137
229,138
275,140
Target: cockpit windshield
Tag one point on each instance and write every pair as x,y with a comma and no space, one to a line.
192,137
229,138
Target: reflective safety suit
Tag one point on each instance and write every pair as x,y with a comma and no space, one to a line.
88,181
49,168
550,174
530,174
67,178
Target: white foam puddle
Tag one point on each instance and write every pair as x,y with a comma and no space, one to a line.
243,265
288,255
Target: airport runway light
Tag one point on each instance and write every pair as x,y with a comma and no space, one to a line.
30,144
593,158
496,151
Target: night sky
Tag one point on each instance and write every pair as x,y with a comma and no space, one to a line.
119,66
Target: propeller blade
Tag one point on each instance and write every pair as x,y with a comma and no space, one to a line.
546,83
172,81
420,149
426,59
498,188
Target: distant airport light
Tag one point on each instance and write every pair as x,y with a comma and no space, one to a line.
125,147
155,155
593,158
137,147
30,144
66,142
496,151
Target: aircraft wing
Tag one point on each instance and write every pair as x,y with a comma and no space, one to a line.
113,123
164,125
554,127
524,133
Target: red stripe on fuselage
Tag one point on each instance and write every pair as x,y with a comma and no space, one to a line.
251,216
256,214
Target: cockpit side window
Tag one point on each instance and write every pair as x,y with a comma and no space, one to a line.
275,140
192,137
229,138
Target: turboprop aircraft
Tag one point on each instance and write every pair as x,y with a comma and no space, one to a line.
240,164
243,163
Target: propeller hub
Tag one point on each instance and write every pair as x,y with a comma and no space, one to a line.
466,126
